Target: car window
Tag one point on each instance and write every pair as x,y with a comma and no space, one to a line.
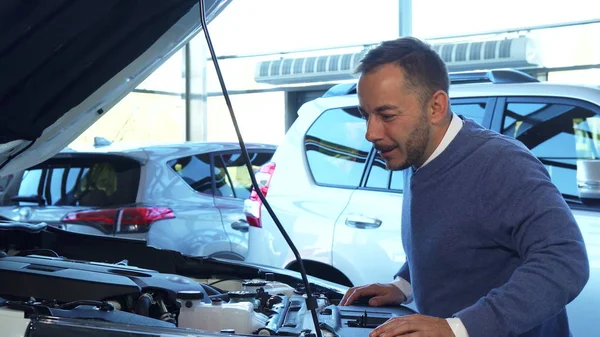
474,111
74,175
336,148
223,184
195,171
231,174
30,182
558,134
81,182
397,183
379,176
56,178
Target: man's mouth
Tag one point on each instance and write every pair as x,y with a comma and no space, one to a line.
385,151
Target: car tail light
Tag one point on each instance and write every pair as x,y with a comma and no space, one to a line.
253,205
121,220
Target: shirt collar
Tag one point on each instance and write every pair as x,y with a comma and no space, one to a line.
455,125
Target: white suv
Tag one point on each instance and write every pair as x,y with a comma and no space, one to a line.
342,208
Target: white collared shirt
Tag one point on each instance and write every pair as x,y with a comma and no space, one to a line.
456,124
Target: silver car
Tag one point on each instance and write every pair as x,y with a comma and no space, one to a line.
186,197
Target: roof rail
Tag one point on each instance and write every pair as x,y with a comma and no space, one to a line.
341,90
497,76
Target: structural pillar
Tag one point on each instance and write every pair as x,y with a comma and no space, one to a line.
196,89
405,18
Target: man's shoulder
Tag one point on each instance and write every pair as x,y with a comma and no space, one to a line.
494,153
492,143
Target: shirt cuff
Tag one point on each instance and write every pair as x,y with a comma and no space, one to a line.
404,287
457,327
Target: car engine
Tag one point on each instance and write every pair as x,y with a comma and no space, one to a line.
57,287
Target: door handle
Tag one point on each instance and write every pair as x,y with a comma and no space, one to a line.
240,225
362,222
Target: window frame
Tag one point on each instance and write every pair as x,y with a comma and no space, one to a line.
490,105
367,173
368,160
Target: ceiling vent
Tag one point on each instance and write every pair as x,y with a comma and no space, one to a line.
463,56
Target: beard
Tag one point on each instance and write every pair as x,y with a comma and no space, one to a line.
415,146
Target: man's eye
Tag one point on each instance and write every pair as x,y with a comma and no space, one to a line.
387,117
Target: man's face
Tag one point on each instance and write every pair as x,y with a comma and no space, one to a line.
397,124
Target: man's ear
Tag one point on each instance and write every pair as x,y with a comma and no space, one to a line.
438,107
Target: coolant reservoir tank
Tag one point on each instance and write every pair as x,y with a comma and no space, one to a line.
220,315
271,287
244,296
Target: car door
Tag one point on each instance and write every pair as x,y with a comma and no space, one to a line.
367,244
563,134
187,188
232,186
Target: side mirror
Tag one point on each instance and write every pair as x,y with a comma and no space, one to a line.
588,181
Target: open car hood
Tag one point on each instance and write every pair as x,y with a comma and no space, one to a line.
64,63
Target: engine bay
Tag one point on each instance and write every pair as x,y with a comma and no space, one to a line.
63,288
51,279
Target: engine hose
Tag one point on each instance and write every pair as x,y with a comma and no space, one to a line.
210,290
142,305
165,315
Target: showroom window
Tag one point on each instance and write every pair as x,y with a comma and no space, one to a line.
559,134
336,148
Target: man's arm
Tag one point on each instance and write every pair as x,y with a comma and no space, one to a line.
529,215
402,281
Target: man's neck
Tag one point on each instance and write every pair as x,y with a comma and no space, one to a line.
442,137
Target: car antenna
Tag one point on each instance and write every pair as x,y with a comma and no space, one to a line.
311,302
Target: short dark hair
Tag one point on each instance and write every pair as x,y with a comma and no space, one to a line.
425,70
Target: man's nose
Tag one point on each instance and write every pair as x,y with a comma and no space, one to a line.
374,132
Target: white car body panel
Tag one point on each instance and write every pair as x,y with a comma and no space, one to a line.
375,255
319,207
384,241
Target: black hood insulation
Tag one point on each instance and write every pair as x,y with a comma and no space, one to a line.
55,53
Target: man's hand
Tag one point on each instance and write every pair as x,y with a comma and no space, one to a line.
413,326
381,294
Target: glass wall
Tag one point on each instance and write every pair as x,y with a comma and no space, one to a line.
437,18
153,113
248,32
581,76
272,26
261,117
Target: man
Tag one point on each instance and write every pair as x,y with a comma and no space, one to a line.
492,248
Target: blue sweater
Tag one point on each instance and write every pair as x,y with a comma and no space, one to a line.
490,240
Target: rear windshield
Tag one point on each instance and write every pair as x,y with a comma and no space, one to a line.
96,181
